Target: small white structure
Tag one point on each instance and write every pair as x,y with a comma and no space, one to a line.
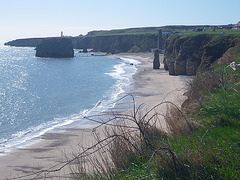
238,25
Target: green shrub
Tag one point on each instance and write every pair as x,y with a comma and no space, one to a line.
222,107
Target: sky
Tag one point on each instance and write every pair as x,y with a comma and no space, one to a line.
47,18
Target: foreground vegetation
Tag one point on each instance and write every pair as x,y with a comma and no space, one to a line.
204,138
212,150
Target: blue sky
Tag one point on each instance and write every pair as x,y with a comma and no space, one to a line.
42,18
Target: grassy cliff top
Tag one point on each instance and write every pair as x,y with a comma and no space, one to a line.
154,30
128,31
210,31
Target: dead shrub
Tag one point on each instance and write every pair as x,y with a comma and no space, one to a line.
177,122
124,144
201,85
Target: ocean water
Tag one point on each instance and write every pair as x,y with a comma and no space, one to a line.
40,94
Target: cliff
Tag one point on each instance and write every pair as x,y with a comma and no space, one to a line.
107,43
117,43
55,47
189,54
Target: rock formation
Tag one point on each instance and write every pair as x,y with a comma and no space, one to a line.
108,43
156,62
187,55
216,48
160,40
55,47
117,43
185,52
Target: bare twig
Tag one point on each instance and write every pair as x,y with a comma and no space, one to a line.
152,156
64,164
169,102
142,125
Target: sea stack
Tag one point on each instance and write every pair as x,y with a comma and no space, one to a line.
160,40
55,48
156,62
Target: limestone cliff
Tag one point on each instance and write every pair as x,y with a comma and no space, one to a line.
55,47
189,54
117,43
216,48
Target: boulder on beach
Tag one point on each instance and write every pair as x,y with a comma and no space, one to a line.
55,48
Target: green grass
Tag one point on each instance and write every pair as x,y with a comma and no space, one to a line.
154,30
129,31
214,150
210,152
210,31
222,107
236,50
218,155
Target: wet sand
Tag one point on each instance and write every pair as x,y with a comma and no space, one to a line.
150,87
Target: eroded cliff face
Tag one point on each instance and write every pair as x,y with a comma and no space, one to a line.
187,55
117,43
216,48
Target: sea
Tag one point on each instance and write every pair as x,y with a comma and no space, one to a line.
40,95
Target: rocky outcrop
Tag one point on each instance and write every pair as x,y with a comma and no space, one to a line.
216,48
55,47
187,55
184,53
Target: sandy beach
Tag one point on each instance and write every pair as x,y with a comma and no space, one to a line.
150,87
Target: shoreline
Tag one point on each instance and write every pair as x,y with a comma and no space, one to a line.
149,87
31,136
153,86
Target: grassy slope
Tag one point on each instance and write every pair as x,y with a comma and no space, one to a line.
211,151
215,155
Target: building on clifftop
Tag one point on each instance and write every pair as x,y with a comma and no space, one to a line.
238,25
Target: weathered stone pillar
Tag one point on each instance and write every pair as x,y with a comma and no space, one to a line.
160,40
156,63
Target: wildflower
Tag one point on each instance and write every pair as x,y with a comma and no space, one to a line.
233,65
